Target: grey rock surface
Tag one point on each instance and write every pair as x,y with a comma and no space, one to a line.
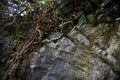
85,53
89,51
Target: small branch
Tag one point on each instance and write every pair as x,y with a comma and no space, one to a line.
61,25
53,39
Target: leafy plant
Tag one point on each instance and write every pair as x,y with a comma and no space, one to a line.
118,33
45,2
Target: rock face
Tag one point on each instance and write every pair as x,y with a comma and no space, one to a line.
89,51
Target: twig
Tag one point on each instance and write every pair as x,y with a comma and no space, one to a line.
53,39
61,25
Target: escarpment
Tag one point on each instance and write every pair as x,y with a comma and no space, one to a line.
79,42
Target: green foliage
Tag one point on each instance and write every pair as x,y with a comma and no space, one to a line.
3,6
118,33
41,2
44,2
